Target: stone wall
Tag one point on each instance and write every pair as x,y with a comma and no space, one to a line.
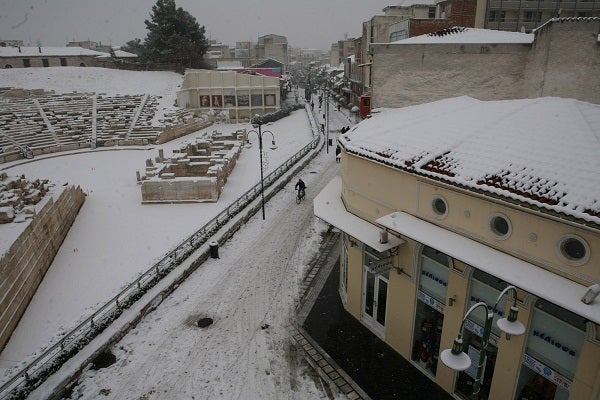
563,61
24,265
180,130
404,75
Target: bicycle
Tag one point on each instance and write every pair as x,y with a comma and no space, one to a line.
300,196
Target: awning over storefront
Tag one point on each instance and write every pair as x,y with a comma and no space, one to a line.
535,280
330,208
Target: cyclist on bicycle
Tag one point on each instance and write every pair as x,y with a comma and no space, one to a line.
300,187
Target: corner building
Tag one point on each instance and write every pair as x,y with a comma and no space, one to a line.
442,205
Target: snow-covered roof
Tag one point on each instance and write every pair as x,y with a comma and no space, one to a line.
47,52
543,152
124,54
460,35
411,3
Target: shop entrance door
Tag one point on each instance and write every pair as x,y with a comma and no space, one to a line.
375,288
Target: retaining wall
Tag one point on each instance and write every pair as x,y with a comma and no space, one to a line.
181,130
24,265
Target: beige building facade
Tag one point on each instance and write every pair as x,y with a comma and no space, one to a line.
424,239
241,96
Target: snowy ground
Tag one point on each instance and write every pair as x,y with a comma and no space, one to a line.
115,238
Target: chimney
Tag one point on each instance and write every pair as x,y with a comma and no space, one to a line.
40,49
19,49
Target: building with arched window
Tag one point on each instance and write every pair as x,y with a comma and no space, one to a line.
443,205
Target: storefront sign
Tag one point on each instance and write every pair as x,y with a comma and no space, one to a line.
478,330
430,301
434,278
546,372
553,342
380,266
557,342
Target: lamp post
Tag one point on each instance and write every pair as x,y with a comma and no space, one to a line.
456,359
258,122
327,115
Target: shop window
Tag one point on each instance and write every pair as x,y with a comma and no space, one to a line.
552,352
500,226
484,288
344,268
439,206
573,250
466,379
429,315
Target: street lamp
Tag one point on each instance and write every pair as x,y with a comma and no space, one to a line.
258,122
456,359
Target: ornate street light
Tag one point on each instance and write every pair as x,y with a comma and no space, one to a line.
456,359
258,122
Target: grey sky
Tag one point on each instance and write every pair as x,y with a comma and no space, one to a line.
306,23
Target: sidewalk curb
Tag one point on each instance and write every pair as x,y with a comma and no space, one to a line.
317,358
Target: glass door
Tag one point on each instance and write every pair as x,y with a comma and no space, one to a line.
375,290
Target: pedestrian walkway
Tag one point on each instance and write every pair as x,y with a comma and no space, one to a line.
344,352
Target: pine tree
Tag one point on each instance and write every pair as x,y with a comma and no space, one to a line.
174,36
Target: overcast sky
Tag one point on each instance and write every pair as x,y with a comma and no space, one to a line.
306,23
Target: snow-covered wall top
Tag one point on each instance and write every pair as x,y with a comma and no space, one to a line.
460,35
543,151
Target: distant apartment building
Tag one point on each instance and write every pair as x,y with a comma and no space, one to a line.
91,45
407,19
274,47
526,15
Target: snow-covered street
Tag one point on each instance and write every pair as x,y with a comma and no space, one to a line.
250,294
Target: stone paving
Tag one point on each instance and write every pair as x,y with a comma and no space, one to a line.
325,366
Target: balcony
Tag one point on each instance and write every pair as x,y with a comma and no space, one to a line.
579,5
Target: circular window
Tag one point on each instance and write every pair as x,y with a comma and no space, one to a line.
500,226
439,206
573,249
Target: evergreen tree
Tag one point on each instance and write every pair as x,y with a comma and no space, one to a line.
174,36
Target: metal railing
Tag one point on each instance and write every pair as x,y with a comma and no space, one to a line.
34,374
